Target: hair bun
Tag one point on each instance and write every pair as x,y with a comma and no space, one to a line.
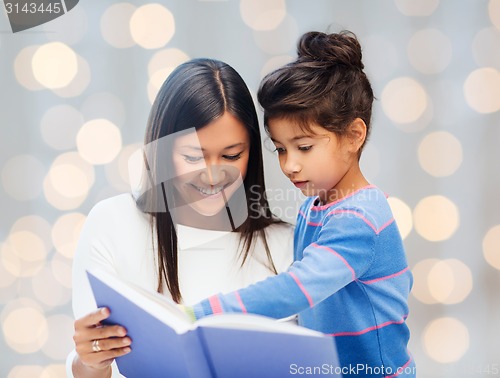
331,49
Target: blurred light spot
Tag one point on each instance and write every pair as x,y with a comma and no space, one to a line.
420,289
402,215
275,63
436,218
161,66
60,340
263,14
482,90
69,181
15,264
69,29
48,290
54,371
6,277
429,51
450,281
152,26
417,8
404,100
24,371
23,70
104,105
99,141
440,154
446,340
66,232
115,27
117,171
36,225
79,83
54,65
379,66
494,12
491,247
482,44
25,328
59,127
22,177
62,270
370,161
27,246
280,40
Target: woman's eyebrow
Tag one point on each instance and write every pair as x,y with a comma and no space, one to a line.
198,148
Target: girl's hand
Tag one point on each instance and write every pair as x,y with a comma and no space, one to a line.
98,345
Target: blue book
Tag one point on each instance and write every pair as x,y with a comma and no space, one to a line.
166,343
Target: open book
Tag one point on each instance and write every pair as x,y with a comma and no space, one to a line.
166,343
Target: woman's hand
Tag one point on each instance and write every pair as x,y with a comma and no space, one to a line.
98,345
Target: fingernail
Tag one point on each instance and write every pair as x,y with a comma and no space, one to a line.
104,311
126,340
126,350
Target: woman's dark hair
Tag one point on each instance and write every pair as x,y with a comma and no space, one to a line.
196,93
325,84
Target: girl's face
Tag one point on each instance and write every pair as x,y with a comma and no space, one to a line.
211,163
319,163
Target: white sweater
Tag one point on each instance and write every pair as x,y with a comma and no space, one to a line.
117,237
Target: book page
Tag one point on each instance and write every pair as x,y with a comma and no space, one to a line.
255,323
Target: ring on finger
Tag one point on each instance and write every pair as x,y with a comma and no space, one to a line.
95,346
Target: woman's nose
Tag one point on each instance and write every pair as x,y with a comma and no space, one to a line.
212,175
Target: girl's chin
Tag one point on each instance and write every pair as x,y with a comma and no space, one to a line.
208,207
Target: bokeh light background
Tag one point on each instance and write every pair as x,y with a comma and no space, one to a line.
74,99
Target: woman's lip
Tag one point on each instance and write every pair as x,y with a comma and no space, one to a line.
300,184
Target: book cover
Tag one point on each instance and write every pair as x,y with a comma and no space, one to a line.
165,343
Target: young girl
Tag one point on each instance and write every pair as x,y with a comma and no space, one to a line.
350,278
175,235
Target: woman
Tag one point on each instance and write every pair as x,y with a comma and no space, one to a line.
186,232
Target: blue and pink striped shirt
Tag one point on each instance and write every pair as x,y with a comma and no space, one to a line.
350,279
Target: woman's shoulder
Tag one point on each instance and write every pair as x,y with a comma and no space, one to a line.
120,208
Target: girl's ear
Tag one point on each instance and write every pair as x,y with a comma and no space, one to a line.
356,134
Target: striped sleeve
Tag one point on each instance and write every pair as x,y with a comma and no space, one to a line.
342,253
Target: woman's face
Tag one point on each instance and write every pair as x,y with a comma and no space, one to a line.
210,164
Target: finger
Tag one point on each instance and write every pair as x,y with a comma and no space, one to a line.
92,319
104,358
111,343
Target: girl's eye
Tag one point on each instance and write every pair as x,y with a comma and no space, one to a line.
279,150
232,157
305,148
192,159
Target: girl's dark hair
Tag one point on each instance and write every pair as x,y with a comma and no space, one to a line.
325,84
196,93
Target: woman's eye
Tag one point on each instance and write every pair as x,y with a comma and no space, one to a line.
232,157
192,159
280,150
305,148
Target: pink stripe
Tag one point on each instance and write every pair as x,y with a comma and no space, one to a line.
377,231
339,256
378,326
309,223
399,370
342,199
389,222
299,284
243,308
355,213
385,278
215,304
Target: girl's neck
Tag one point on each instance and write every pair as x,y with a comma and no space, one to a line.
352,181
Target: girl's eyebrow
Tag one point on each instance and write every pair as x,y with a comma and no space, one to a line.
297,137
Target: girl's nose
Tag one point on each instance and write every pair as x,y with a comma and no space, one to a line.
290,165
